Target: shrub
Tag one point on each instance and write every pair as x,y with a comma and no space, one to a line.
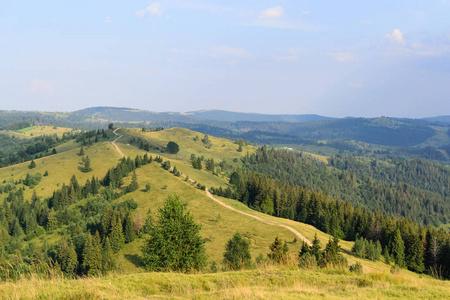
356,268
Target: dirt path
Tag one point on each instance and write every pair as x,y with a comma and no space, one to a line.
298,234
114,144
273,223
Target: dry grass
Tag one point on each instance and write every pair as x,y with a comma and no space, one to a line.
265,283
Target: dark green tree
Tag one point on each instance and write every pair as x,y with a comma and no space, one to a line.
69,260
237,253
32,165
414,256
174,241
92,258
116,235
134,183
87,165
398,249
128,228
108,263
278,251
172,147
315,247
210,165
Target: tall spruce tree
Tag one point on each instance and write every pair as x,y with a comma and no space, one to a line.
128,228
116,235
92,258
398,249
174,241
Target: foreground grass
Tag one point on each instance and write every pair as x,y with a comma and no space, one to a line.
265,283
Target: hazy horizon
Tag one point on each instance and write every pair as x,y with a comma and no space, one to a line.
270,57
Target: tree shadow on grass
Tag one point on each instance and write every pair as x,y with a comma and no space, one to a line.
134,259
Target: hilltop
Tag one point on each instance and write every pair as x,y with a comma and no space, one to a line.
378,137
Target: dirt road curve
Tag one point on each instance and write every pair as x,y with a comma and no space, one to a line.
114,144
298,234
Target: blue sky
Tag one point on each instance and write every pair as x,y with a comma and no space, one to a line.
334,58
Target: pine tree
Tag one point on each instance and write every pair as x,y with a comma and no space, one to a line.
87,165
92,258
109,262
4,236
315,248
414,258
174,241
32,165
52,222
81,153
332,250
105,221
134,184
398,249
69,261
237,253
387,257
278,251
128,228
116,236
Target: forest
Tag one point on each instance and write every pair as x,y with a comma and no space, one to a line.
281,184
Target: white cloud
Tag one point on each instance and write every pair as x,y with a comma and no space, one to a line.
231,51
107,20
343,57
38,86
365,21
355,85
396,37
305,12
153,9
285,58
272,13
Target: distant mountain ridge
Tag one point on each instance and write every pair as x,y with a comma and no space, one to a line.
444,120
223,115
131,114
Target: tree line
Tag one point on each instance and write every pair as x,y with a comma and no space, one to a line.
417,247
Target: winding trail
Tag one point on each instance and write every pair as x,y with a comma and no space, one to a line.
209,195
298,234
114,142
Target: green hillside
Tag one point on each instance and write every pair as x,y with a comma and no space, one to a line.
220,218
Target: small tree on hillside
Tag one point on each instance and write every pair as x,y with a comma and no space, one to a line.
87,165
32,165
237,254
278,251
174,241
134,183
172,147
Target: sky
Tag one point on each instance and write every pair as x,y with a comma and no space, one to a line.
332,58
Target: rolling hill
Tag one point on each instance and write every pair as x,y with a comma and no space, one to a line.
220,219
